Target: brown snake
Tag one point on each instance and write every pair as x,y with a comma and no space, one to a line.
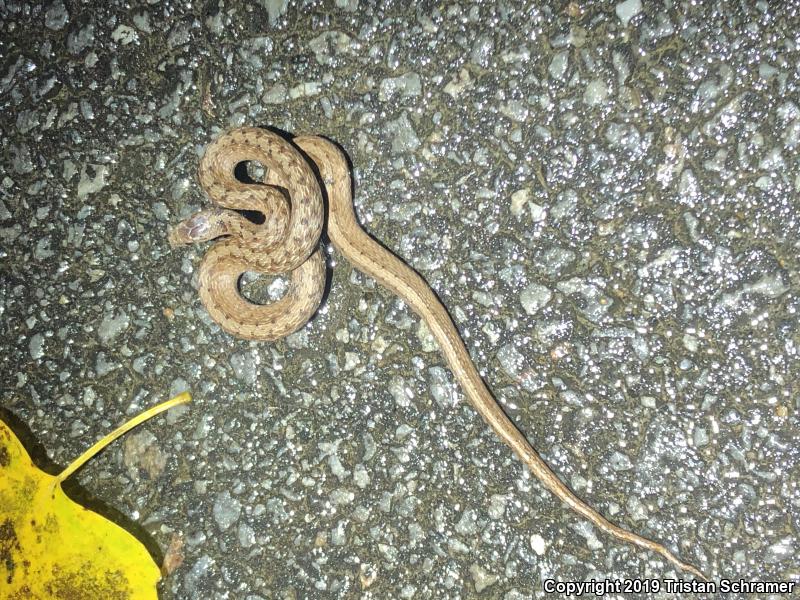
288,241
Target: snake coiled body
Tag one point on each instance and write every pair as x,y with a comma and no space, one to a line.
288,241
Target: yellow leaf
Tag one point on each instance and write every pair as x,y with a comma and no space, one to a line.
51,547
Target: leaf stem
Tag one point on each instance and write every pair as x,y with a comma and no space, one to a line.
181,398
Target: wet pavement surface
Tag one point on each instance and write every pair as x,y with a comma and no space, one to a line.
604,195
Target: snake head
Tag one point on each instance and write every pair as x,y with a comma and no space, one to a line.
197,228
